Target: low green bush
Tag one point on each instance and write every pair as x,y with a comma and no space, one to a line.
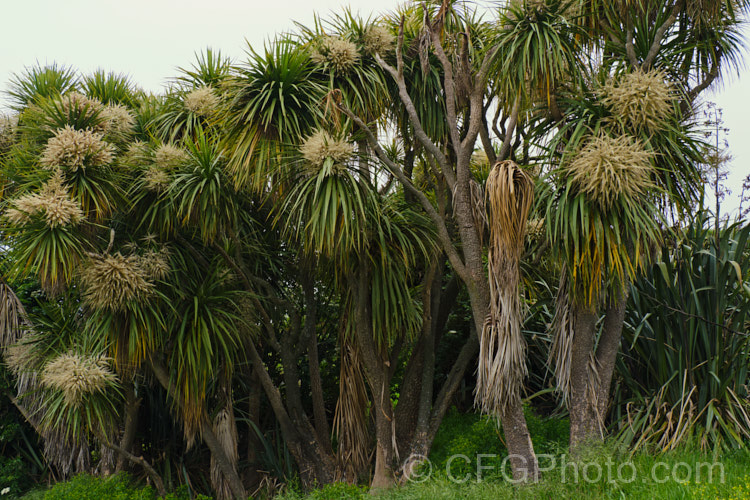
14,478
117,487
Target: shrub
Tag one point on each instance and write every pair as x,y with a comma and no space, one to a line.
86,487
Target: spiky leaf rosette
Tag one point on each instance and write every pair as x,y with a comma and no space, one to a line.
502,367
76,104
45,240
602,248
114,281
76,376
336,53
320,148
639,100
73,149
610,168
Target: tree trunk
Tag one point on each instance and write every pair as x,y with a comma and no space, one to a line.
432,288
316,384
525,465
316,466
377,374
207,433
132,406
385,458
421,443
407,409
252,477
608,348
584,416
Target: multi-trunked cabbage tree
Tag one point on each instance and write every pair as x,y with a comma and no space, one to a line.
205,240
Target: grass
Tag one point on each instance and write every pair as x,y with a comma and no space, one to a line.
466,443
603,472
647,476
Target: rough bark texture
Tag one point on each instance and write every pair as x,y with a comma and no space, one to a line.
316,466
316,383
407,409
378,375
584,417
252,475
132,406
217,451
606,351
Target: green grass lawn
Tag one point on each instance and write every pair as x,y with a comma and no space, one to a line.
468,461
672,475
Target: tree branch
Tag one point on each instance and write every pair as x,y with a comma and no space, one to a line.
629,48
398,76
442,230
505,150
155,477
660,33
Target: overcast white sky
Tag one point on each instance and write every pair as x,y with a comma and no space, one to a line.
148,39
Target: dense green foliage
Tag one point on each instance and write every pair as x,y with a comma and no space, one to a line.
277,274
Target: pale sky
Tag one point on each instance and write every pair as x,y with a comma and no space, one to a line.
149,39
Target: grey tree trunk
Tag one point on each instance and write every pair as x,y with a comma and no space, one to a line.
208,436
584,416
607,350
132,405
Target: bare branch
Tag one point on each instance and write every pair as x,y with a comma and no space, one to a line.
629,48
443,236
711,76
505,150
484,134
398,76
660,33
449,87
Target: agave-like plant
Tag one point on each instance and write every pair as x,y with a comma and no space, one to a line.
111,88
274,99
40,82
202,192
684,370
